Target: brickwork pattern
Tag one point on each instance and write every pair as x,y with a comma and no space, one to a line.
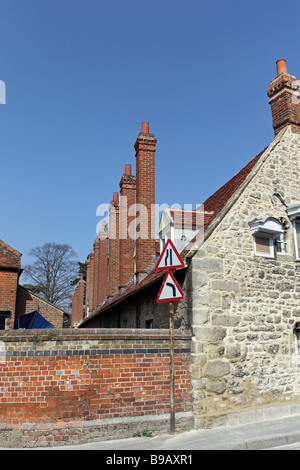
127,202
77,303
145,198
114,248
49,379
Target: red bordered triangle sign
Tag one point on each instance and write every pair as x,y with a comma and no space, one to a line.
169,258
170,289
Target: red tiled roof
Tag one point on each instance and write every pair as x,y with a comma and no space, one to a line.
219,199
9,248
212,207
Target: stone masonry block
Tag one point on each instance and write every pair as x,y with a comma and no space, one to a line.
209,334
212,299
217,368
208,264
227,286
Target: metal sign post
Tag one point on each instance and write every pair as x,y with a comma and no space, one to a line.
172,371
169,292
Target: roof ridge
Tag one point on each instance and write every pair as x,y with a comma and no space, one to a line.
10,248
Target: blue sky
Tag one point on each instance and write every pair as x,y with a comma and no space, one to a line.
81,76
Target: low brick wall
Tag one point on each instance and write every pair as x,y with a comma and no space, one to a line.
71,386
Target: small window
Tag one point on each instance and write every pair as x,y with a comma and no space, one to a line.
3,315
280,244
296,334
149,323
264,246
297,238
265,232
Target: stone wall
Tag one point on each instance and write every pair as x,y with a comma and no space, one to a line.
245,306
59,386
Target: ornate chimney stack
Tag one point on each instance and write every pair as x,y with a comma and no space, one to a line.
284,99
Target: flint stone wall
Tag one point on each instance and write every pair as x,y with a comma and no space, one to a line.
244,307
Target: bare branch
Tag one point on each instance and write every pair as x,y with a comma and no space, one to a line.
53,272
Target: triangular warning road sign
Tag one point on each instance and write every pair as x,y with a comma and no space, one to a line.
170,289
169,258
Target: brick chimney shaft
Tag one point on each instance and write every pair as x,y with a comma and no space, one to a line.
114,247
145,199
127,202
102,263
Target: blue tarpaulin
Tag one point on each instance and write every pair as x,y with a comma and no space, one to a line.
33,320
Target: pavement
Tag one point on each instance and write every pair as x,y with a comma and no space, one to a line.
255,436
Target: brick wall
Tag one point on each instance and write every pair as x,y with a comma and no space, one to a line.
8,294
29,302
10,269
79,385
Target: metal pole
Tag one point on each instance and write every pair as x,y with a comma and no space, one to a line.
172,376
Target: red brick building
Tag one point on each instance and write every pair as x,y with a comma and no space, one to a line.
15,300
124,251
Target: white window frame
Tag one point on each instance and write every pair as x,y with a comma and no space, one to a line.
269,228
296,221
296,339
271,245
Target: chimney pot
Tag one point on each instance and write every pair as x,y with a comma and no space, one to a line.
128,169
145,127
115,197
281,66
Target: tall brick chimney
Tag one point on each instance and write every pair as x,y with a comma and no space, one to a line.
127,217
103,263
96,273
145,199
284,99
90,299
77,303
87,286
114,247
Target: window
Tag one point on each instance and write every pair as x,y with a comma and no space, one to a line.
3,315
280,244
297,238
294,215
296,335
149,323
267,234
264,246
